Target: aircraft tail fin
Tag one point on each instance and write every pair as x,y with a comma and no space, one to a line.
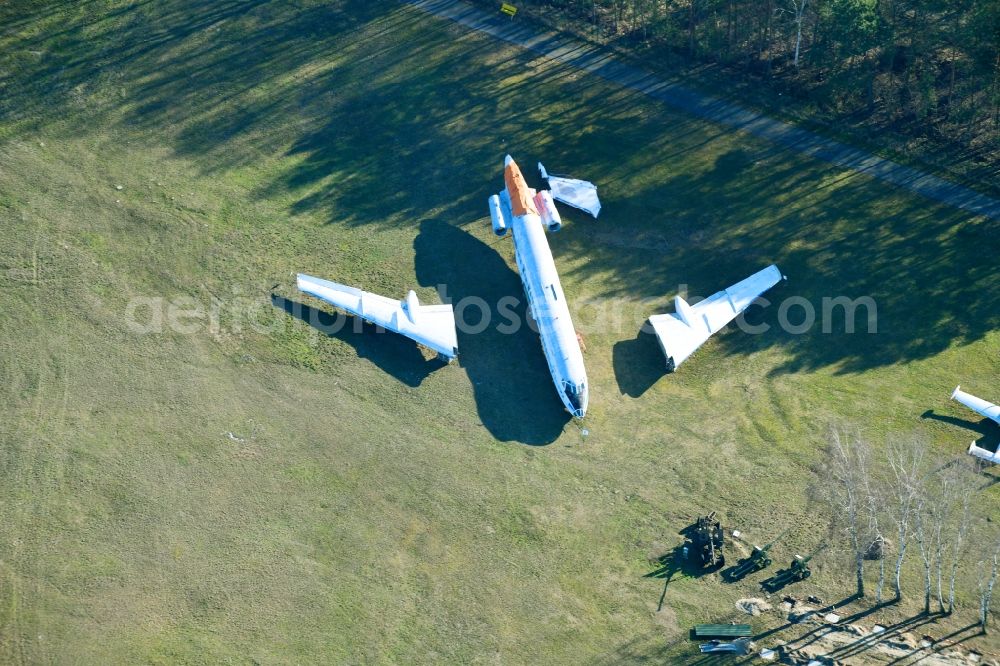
684,310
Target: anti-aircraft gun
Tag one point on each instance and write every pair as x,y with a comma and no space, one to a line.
796,571
758,559
704,542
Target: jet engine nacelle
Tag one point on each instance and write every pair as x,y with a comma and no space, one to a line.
547,210
496,215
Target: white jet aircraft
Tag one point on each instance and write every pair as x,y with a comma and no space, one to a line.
432,326
528,213
682,332
987,409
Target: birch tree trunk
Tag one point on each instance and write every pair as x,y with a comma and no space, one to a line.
922,537
800,10
986,590
906,462
848,470
967,490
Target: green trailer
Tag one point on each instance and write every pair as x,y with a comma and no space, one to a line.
722,631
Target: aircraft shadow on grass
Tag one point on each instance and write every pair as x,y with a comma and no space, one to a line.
638,363
508,372
988,432
395,354
509,375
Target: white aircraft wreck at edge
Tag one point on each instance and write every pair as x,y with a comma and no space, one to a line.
527,214
683,331
987,409
432,326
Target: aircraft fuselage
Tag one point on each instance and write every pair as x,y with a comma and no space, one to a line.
546,300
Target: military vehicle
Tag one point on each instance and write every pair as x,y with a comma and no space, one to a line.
796,571
758,559
704,543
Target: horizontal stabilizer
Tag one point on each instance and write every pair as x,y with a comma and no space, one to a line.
987,409
681,333
432,326
580,194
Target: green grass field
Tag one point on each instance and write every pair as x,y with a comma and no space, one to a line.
259,491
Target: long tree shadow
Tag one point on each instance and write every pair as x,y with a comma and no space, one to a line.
865,643
395,354
898,239
500,352
366,113
950,640
817,633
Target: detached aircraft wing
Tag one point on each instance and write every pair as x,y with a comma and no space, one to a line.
682,332
987,409
432,326
984,454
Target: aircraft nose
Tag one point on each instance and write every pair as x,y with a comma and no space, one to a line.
584,401
507,160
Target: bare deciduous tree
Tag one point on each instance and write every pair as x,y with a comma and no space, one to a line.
906,462
874,507
847,491
923,534
940,514
965,487
799,9
944,524
986,582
